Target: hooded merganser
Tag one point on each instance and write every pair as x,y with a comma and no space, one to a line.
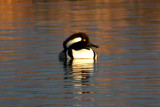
78,46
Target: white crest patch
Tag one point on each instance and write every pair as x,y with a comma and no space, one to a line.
73,41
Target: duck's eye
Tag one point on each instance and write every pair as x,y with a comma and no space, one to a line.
84,40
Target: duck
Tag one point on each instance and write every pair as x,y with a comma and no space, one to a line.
78,46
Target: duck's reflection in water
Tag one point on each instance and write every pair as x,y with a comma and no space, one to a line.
79,69
78,72
77,79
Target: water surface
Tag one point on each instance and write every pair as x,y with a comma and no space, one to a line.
127,72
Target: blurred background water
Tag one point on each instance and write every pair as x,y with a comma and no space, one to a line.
127,72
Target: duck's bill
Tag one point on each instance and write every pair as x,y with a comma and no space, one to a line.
92,45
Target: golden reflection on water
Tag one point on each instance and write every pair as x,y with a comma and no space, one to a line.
13,11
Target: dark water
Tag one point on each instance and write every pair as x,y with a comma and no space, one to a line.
127,72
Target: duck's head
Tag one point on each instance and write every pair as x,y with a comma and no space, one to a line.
78,41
